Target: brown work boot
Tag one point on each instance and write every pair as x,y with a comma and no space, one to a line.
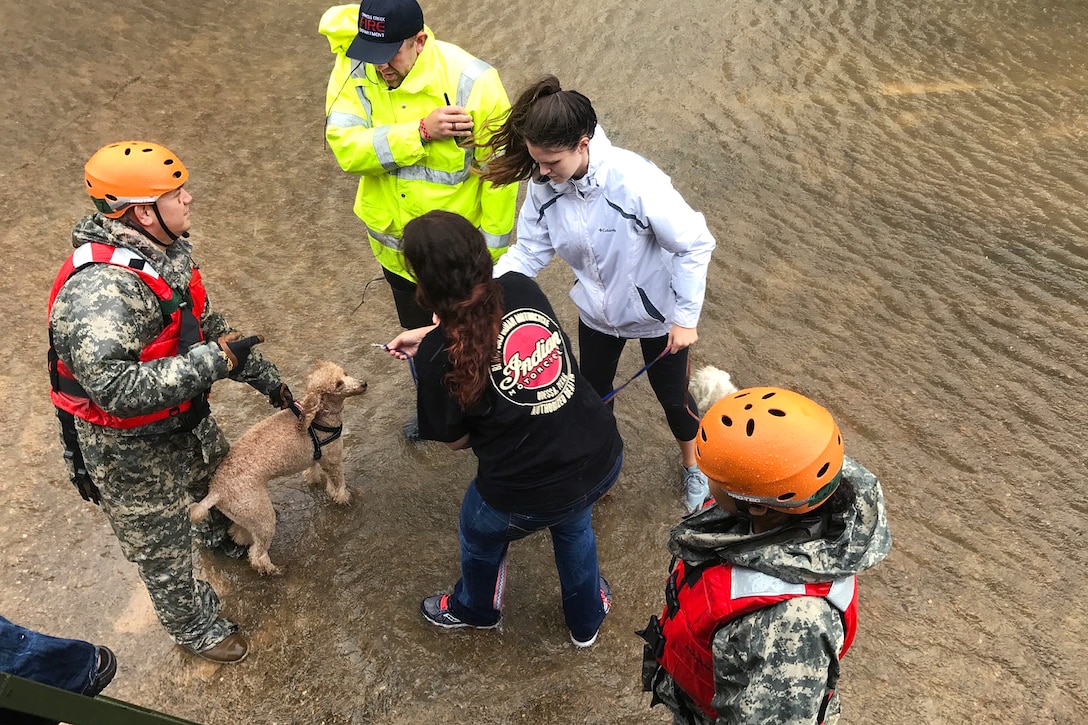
231,650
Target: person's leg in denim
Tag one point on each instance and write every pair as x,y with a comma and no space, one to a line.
575,547
485,534
69,664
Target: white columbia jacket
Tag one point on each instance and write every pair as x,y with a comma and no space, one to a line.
639,252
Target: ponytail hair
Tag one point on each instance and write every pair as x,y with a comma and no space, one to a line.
544,115
452,266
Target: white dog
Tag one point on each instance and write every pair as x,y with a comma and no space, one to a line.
709,385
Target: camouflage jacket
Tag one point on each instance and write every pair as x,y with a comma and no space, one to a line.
104,316
775,664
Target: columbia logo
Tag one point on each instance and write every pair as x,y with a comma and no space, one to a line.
602,229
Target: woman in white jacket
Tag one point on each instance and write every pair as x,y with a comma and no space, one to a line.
639,252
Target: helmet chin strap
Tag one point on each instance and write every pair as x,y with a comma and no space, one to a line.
168,230
142,230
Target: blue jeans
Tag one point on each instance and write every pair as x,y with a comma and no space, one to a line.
69,664
486,534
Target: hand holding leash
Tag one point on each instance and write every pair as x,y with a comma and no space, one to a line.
281,397
681,337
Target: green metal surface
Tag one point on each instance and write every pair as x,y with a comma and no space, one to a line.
34,698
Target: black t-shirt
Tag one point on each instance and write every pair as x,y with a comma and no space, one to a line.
542,435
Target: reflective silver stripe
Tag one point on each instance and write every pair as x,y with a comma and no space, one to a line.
345,120
424,173
386,240
496,241
749,583
842,593
368,108
472,71
383,150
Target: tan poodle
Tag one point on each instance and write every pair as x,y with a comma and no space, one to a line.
304,438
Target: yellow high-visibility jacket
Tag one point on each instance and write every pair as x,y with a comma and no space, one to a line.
374,133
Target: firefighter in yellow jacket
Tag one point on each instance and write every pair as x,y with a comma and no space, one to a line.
409,115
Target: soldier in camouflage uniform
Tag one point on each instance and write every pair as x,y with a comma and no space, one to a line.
761,603
134,349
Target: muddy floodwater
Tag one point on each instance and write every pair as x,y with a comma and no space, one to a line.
898,191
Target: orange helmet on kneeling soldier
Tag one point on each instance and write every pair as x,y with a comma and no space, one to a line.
771,447
132,172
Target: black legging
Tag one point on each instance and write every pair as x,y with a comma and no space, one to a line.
599,356
409,313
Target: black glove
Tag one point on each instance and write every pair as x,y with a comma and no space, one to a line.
237,350
280,396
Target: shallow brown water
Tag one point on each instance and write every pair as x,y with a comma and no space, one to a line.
898,192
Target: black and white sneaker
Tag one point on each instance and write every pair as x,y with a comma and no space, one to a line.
105,669
606,602
436,610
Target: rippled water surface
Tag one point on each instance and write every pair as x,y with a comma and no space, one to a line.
898,193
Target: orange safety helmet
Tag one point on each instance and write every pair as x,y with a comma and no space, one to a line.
131,172
772,447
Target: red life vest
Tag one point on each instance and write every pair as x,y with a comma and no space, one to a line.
700,601
181,314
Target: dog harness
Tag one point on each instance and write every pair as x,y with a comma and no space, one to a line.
700,600
181,316
313,427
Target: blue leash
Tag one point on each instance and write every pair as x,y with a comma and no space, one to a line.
411,363
643,369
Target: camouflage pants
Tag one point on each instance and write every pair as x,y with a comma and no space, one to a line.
147,483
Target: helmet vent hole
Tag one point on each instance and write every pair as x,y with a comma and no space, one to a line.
742,395
787,496
748,407
702,433
750,428
168,162
128,151
823,469
111,197
777,413
768,395
177,174
726,421
147,151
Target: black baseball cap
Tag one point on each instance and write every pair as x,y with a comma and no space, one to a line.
383,26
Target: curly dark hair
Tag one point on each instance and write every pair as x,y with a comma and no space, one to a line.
545,115
452,267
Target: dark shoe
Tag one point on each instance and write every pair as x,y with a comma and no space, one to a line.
436,610
231,650
230,548
107,668
606,602
411,430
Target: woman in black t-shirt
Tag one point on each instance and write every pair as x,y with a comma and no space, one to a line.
496,374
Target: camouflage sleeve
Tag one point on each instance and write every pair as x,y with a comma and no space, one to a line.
260,373
774,664
101,320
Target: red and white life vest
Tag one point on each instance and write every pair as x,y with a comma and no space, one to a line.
181,315
700,601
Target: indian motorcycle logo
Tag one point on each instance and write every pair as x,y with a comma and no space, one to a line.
534,368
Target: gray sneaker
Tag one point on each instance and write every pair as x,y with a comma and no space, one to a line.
696,490
411,430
